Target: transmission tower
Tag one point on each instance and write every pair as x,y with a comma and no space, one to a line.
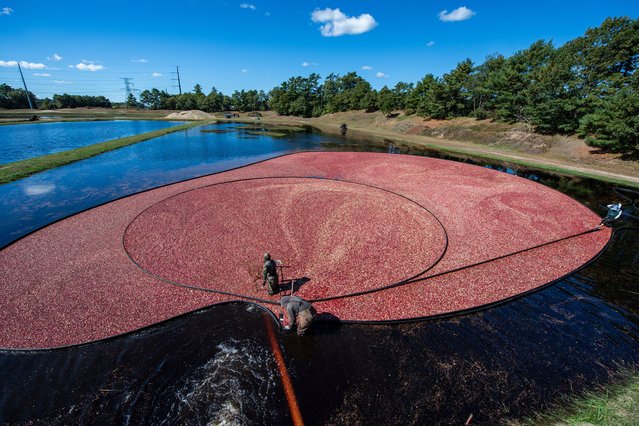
179,84
128,86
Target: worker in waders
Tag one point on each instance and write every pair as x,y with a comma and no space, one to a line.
301,314
614,213
269,273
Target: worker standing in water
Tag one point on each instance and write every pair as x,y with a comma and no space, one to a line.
269,274
301,314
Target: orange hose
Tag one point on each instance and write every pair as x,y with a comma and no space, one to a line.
294,408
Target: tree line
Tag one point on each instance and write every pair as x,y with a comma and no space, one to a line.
588,86
214,101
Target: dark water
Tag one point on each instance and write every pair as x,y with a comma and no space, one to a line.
23,141
215,366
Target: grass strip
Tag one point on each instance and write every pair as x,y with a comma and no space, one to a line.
20,169
616,405
268,133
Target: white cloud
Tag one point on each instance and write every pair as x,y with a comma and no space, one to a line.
62,82
244,70
248,6
337,23
157,74
309,64
381,75
43,74
87,66
140,61
430,43
23,64
55,57
6,11
459,14
32,66
367,67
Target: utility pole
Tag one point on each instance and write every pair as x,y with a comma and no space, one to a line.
128,85
26,91
179,84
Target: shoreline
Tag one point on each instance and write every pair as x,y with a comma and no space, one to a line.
328,124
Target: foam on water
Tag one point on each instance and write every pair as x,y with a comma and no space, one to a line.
234,387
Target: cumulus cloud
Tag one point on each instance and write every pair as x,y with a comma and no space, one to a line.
381,75
460,14
140,61
41,74
430,43
156,74
336,23
6,11
248,6
87,66
23,64
55,57
367,67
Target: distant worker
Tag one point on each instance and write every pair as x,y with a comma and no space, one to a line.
343,129
301,314
614,213
269,273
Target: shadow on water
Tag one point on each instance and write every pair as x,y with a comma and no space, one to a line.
216,366
213,366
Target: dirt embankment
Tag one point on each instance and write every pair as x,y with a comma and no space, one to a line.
481,137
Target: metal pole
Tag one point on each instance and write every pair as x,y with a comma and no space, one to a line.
178,78
26,91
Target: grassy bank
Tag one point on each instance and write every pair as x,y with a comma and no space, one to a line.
21,169
616,405
398,132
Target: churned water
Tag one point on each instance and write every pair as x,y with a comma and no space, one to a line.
215,366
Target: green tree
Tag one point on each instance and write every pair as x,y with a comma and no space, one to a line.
428,98
386,100
11,98
298,96
131,102
457,88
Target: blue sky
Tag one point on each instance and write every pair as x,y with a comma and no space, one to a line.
88,47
